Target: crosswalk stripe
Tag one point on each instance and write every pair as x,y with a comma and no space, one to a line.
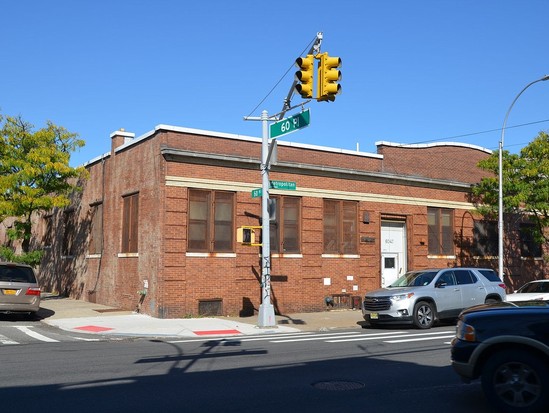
242,338
309,337
338,337
399,335
34,334
5,340
418,339
334,337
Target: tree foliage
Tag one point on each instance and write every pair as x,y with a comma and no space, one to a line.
525,184
35,174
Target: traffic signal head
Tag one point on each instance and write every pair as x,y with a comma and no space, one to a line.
328,77
245,235
305,76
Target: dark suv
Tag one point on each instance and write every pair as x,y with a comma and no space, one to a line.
507,346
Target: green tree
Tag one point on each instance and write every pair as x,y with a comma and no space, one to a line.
35,176
525,185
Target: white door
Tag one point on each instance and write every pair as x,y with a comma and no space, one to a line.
389,268
393,251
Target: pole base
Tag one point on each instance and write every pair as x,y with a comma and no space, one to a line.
266,316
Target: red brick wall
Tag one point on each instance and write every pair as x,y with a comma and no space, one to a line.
452,162
179,281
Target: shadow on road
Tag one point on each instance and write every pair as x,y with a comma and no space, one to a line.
169,380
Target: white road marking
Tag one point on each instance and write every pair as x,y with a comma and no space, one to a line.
333,337
86,339
341,338
241,338
391,335
5,340
419,339
34,334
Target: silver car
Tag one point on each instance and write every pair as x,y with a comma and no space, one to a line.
19,290
422,297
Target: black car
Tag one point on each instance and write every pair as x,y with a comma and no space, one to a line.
507,346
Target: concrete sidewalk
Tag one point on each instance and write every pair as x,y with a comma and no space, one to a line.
85,317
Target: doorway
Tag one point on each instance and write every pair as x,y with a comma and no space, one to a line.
393,251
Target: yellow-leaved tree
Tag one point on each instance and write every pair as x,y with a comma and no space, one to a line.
35,176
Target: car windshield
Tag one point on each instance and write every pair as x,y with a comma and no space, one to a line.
414,279
539,287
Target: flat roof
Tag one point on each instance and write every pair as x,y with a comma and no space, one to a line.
432,145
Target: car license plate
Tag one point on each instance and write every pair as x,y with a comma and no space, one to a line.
10,292
374,316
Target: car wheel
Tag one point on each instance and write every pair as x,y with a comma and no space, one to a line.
516,381
424,315
491,301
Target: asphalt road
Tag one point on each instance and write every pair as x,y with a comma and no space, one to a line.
360,370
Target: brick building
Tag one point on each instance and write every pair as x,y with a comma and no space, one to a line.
154,228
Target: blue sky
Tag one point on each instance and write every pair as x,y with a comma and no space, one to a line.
413,71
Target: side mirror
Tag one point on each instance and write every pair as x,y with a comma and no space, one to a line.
441,284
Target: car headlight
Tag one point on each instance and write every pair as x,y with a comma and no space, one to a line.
465,332
401,297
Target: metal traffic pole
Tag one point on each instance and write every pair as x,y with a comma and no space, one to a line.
266,316
266,310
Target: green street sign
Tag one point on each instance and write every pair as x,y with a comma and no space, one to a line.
291,124
287,185
290,186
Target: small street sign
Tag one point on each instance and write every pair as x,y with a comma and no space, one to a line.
291,124
286,185
290,186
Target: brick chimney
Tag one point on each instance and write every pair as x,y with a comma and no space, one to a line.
119,138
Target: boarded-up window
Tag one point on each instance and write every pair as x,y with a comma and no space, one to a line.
96,230
210,221
69,232
485,235
340,227
441,231
130,223
285,227
223,221
48,230
529,245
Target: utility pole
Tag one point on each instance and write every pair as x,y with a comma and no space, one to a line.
266,310
327,88
266,316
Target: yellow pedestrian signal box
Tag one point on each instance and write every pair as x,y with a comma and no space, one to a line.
305,76
246,235
328,76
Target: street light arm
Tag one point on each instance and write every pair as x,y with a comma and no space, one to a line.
546,77
500,175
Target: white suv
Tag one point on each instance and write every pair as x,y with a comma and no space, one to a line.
422,297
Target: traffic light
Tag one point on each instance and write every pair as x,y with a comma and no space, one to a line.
246,235
305,76
328,76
